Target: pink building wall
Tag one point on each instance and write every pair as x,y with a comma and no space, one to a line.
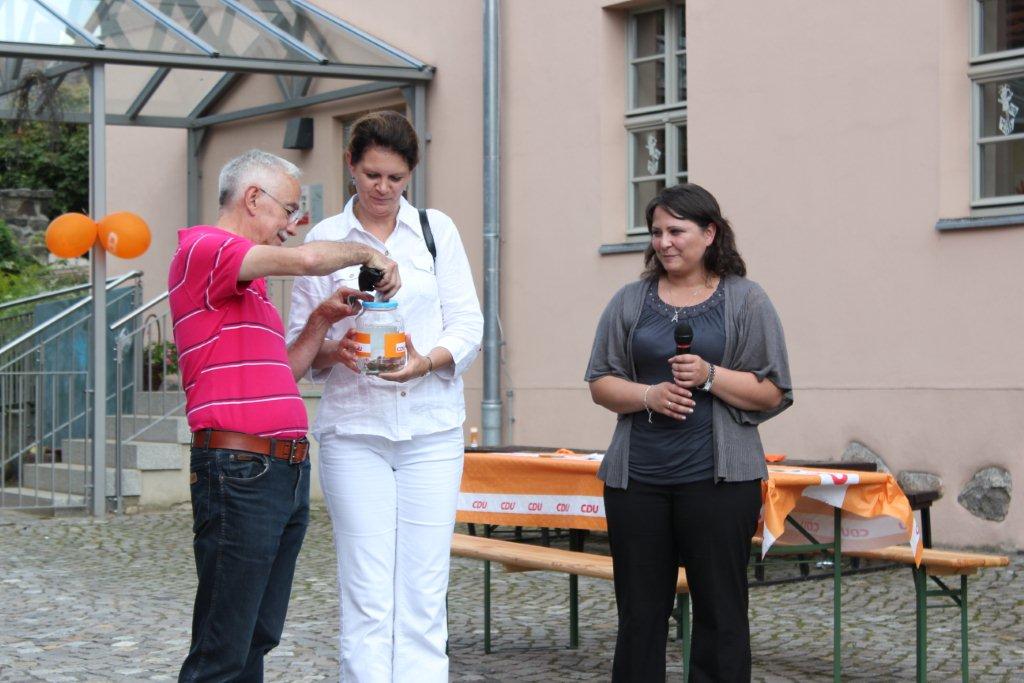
835,135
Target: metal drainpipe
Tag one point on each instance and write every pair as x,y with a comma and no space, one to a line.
490,407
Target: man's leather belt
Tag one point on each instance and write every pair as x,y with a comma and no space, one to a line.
292,450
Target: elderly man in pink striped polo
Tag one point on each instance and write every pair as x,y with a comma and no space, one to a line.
249,465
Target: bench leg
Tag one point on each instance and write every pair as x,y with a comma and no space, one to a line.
488,528
837,593
574,611
487,606
964,664
683,602
575,543
921,591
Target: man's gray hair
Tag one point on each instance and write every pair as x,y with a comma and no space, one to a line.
255,167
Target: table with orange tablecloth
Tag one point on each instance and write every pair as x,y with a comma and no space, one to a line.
827,508
563,491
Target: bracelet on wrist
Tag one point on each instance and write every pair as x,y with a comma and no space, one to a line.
430,363
710,380
650,415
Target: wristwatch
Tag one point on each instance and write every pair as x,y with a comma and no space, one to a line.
711,378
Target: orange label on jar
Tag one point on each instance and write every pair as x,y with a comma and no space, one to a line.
394,345
362,340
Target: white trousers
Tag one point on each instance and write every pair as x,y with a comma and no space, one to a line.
392,504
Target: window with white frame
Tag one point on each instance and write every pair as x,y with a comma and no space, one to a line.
997,77
656,106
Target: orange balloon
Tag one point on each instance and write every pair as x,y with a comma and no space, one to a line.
124,234
70,235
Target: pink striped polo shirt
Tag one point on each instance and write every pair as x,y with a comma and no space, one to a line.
231,350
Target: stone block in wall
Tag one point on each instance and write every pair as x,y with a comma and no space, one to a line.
915,482
987,495
858,452
26,213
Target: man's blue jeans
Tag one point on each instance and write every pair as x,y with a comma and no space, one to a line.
250,514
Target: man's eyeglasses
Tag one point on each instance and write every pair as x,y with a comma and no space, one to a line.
294,215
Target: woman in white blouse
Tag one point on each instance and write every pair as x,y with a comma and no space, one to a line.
391,448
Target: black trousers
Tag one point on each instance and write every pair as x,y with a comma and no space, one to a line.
705,526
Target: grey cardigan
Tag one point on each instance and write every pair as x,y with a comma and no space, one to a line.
753,342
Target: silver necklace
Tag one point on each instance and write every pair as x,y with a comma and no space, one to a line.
675,315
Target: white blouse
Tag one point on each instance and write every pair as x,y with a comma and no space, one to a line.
439,309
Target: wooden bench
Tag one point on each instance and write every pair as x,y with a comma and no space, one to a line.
522,557
934,565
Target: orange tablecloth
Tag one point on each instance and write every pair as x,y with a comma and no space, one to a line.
563,491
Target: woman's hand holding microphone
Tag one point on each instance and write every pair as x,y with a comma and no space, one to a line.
675,399
689,370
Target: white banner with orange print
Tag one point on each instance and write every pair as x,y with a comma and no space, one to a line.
563,491
875,514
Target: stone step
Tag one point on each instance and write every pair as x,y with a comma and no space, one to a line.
172,429
68,478
14,497
135,455
157,403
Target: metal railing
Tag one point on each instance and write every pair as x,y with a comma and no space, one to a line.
146,383
45,393
17,315
45,402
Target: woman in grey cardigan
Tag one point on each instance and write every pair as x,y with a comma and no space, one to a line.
683,471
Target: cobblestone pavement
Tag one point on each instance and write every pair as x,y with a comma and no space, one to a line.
83,600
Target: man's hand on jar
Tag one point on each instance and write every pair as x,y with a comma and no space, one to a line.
341,304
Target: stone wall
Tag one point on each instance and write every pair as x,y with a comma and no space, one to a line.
986,495
26,213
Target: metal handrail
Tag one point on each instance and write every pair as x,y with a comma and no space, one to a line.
139,311
53,294
111,284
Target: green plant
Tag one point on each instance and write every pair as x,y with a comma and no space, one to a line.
38,150
29,160
22,276
12,256
159,360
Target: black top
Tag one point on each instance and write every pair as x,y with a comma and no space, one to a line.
665,450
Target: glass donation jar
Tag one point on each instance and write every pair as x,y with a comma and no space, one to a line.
380,335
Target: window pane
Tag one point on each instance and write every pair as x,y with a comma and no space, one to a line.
223,28
1002,107
643,193
123,26
650,34
649,79
181,92
649,152
681,23
332,42
681,136
26,22
681,84
1002,169
1002,25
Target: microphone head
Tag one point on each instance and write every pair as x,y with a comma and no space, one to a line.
683,335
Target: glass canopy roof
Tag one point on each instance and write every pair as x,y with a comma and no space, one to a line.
170,61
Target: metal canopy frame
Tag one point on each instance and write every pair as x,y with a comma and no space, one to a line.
102,40
81,38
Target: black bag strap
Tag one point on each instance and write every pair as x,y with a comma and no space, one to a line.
428,235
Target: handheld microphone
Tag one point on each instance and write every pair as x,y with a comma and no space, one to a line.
684,338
